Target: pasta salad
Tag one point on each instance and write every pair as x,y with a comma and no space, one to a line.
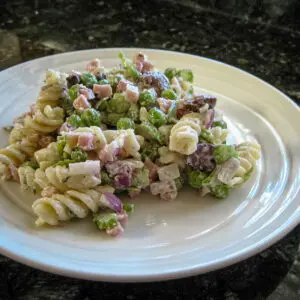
94,135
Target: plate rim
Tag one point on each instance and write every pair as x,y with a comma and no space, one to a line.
243,254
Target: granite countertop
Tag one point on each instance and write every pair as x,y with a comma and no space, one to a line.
263,46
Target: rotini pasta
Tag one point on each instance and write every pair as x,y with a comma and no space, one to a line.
219,135
45,120
248,153
63,207
184,135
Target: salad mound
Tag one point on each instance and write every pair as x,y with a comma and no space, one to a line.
95,134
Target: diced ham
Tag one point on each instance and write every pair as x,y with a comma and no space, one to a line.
152,167
85,141
65,127
164,104
123,219
13,170
166,189
102,90
117,230
132,93
94,66
139,58
72,138
45,141
110,152
122,84
88,93
147,66
81,103
139,66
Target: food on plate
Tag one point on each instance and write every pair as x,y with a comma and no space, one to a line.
95,134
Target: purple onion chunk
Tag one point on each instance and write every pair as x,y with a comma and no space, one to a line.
202,159
111,201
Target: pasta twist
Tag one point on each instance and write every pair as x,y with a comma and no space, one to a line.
59,178
27,178
219,135
248,153
51,92
46,157
184,135
15,153
45,120
167,157
63,207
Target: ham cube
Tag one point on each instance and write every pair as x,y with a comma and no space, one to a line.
102,90
122,85
85,141
94,66
132,93
81,103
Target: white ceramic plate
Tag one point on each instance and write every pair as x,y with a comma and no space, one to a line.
166,240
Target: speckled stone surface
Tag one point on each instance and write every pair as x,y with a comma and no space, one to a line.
267,47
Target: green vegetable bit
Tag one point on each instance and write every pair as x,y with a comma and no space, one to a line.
128,207
179,183
223,152
133,112
196,178
61,143
169,94
118,104
186,74
91,117
206,136
104,81
77,155
170,73
105,220
149,132
172,113
113,118
113,79
75,121
67,104
88,79
140,178
221,124
73,91
157,117
150,151
101,105
105,179
125,123
129,66
147,98
221,191
32,164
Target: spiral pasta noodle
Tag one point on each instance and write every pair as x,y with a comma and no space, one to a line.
51,92
45,120
248,153
219,135
184,135
63,207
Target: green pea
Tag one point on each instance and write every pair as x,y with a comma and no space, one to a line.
105,179
172,113
73,91
195,178
101,105
118,104
221,191
157,117
133,112
128,207
77,155
221,124
129,66
206,136
113,118
104,81
140,178
223,152
150,151
88,79
147,98
149,132
105,220
91,117
169,94
125,123
186,74
170,73
179,183
75,121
